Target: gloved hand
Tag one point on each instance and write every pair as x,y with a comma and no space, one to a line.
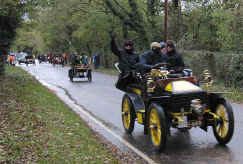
172,71
140,66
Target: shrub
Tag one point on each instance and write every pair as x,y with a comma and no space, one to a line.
224,67
234,74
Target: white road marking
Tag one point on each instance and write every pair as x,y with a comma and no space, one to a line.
78,109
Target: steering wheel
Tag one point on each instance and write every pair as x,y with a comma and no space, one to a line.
158,65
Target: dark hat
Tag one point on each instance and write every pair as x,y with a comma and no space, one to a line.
162,44
170,43
128,42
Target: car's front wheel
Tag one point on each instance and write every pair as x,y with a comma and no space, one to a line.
157,126
224,127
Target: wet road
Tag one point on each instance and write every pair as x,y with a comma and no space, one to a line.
103,100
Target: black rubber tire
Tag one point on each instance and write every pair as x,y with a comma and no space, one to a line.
229,135
163,126
129,129
89,76
70,74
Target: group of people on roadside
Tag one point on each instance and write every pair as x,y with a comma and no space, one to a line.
129,60
56,58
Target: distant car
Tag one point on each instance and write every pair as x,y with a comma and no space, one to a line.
22,60
80,71
42,58
18,56
29,60
21,57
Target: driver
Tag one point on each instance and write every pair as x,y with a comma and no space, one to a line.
74,61
173,58
127,59
152,57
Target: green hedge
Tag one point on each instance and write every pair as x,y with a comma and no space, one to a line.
225,67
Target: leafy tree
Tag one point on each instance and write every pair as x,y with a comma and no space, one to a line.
10,16
223,20
83,25
29,40
238,27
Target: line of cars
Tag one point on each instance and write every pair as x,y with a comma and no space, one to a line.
21,58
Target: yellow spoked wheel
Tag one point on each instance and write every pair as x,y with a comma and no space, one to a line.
157,127
224,127
128,114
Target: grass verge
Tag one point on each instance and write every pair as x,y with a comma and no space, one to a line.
37,127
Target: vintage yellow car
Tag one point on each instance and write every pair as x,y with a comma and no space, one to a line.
160,101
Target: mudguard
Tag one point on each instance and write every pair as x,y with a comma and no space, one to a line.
137,101
214,98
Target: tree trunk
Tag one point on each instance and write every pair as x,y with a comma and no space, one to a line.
8,24
211,63
106,58
3,55
125,31
89,49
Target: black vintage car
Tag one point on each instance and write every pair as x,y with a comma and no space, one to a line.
29,59
42,58
80,71
160,100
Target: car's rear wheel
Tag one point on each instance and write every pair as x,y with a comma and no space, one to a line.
224,128
70,74
157,127
89,76
128,114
